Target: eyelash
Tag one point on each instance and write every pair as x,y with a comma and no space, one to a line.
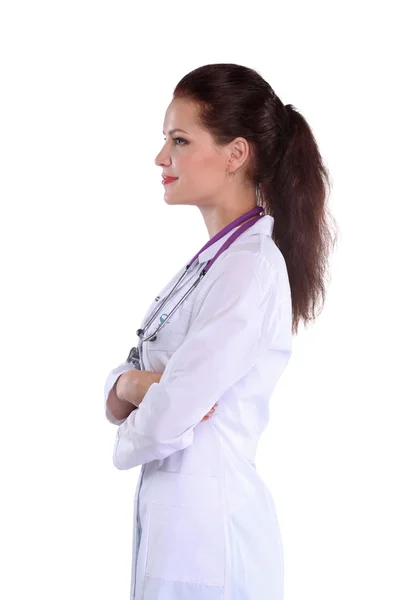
178,138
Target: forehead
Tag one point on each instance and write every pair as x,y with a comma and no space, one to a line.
182,113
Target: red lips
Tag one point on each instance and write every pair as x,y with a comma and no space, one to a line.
167,179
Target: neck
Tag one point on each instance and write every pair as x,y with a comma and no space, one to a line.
218,217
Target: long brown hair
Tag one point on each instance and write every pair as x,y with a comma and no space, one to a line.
285,167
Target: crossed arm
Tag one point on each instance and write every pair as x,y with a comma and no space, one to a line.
129,390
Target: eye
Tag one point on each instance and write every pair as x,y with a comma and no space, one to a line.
178,138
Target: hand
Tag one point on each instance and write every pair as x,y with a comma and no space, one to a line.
208,415
126,387
132,386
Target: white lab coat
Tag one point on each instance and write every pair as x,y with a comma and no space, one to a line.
205,526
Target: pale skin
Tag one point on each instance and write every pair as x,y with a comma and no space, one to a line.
204,169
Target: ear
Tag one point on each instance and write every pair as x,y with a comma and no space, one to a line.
238,153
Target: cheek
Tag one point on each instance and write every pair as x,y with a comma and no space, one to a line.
203,165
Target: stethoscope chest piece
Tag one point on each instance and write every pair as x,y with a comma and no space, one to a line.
134,357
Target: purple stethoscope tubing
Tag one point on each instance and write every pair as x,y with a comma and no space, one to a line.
255,213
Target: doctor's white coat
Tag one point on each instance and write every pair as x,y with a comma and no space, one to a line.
205,526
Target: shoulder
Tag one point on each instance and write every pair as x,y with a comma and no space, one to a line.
260,255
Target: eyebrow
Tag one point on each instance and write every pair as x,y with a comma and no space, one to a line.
173,131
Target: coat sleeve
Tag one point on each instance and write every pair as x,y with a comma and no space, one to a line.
223,343
111,379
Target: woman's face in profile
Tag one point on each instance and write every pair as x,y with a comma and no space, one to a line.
191,156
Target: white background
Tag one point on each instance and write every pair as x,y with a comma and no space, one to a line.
87,241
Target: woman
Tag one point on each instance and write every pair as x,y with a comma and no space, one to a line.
192,403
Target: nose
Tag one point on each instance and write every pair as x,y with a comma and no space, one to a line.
162,158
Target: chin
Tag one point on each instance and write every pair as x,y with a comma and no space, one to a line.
172,199
169,200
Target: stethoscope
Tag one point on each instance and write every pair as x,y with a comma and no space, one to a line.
255,214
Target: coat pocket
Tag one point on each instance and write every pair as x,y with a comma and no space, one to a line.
169,339
186,543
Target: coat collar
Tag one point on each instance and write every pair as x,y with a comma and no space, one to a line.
265,226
